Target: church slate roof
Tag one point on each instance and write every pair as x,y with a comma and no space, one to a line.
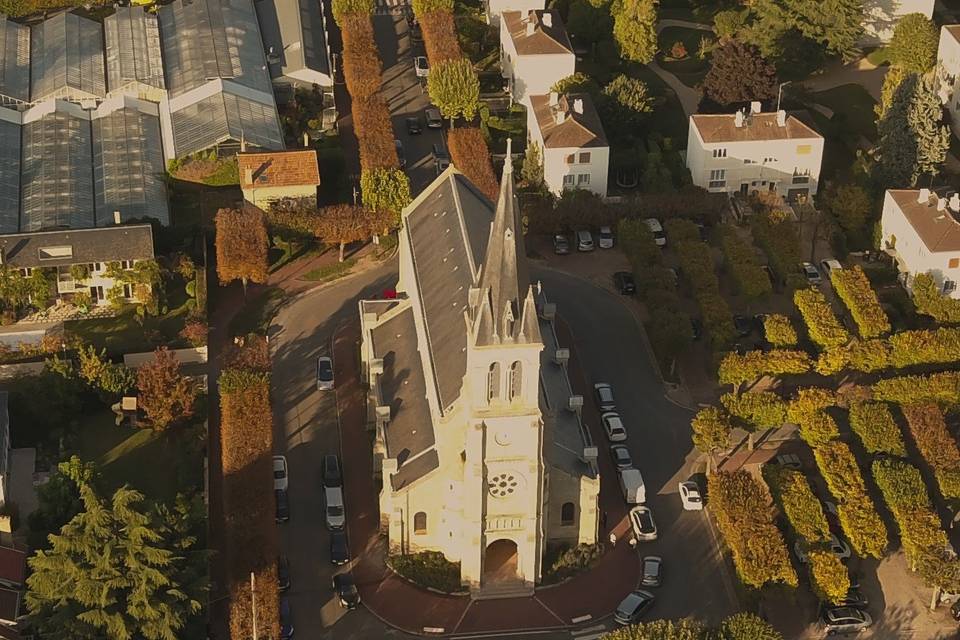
448,232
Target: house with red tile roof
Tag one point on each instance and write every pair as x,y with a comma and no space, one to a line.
271,175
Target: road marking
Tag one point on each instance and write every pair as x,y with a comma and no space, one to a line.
590,633
580,619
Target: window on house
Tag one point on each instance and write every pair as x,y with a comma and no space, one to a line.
568,512
954,263
516,380
747,161
949,286
97,267
719,153
569,181
583,179
570,159
585,157
26,272
420,522
127,291
493,382
717,178
126,264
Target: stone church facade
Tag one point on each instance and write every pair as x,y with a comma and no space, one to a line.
478,438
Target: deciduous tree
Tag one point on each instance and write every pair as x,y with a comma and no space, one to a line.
166,395
455,89
747,626
914,43
849,204
738,74
624,105
242,246
711,430
635,29
532,169
385,190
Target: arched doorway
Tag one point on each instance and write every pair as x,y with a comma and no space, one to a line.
500,562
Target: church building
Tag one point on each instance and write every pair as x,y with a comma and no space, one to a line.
478,442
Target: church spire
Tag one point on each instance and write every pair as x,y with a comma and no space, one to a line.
503,281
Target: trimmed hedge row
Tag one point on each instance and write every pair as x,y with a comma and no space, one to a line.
371,121
637,242
680,229
776,235
937,346
736,369
873,423
361,59
935,444
697,263
822,324
942,388
858,516
930,302
468,151
439,36
741,261
745,517
761,410
779,331
854,289
829,577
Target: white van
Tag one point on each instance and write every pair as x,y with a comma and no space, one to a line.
631,483
333,508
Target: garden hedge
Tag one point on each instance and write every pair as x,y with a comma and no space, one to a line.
854,289
935,444
745,518
428,569
800,505
874,425
440,36
936,346
371,121
858,516
776,235
761,410
929,301
736,369
680,230
361,59
942,388
637,242
829,577
779,331
822,325
741,262
469,153
696,261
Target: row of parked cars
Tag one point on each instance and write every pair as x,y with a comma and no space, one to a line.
605,238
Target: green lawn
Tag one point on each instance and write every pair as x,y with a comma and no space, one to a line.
158,463
855,104
689,70
123,334
879,56
330,271
694,10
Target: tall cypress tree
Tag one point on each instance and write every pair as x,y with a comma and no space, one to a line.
913,138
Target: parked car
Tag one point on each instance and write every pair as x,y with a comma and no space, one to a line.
283,572
346,590
605,239
829,265
283,505
401,157
413,126
332,476
613,426
810,273
280,480
631,608
325,380
286,620
422,66
621,456
690,496
837,546
441,158
603,393
434,120
339,549
836,620
643,524
333,508
632,486
584,240
625,283
652,571
657,230
561,246
743,325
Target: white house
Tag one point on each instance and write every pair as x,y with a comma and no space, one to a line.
948,72
880,17
494,8
754,151
535,52
921,229
576,154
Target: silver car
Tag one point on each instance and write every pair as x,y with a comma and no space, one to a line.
324,373
836,620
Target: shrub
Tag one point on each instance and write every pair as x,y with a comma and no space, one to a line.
854,289
761,410
684,629
697,264
873,423
937,346
828,575
779,331
469,153
342,8
930,302
439,37
936,445
942,388
776,235
858,517
680,229
741,261
822,325
747,626
736,369
428,569
745,518
371,121
574,560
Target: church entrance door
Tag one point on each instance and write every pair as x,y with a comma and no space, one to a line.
500,565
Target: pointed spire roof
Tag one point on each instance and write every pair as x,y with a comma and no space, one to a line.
503,281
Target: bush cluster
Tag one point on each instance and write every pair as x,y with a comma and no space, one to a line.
854,289
468,151
776,235
745,517
935,444
572,561
936,346
680,230
741,262
942,388
800,505
822,325
828,575
696,261
779,331
858,516
873,423
636,241
428,569
736,369
930,302
760,410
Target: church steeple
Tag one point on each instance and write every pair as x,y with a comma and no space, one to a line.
504,310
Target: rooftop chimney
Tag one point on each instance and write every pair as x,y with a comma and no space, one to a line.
781,118
955,203
547,19
941,204
306,140
554,98
924,196
578,105
738,119
560,116
531,26
116,217
248,176
755,107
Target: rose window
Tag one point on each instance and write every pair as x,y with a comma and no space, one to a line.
503,485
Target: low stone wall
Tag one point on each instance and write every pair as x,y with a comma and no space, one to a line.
193,355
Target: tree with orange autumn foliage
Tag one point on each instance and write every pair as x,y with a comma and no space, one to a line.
242,246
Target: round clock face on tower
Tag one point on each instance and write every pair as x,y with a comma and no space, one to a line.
503,484
502,438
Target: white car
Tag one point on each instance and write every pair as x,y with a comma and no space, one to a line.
810,273
690,496
657,230
605,238
279,473
830,265
333,508
642,523
838,547
422,66
613,426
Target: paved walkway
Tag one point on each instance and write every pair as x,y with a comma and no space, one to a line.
689,98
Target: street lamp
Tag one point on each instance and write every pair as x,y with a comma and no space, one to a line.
780,92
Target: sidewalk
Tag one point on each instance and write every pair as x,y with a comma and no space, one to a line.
400,604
